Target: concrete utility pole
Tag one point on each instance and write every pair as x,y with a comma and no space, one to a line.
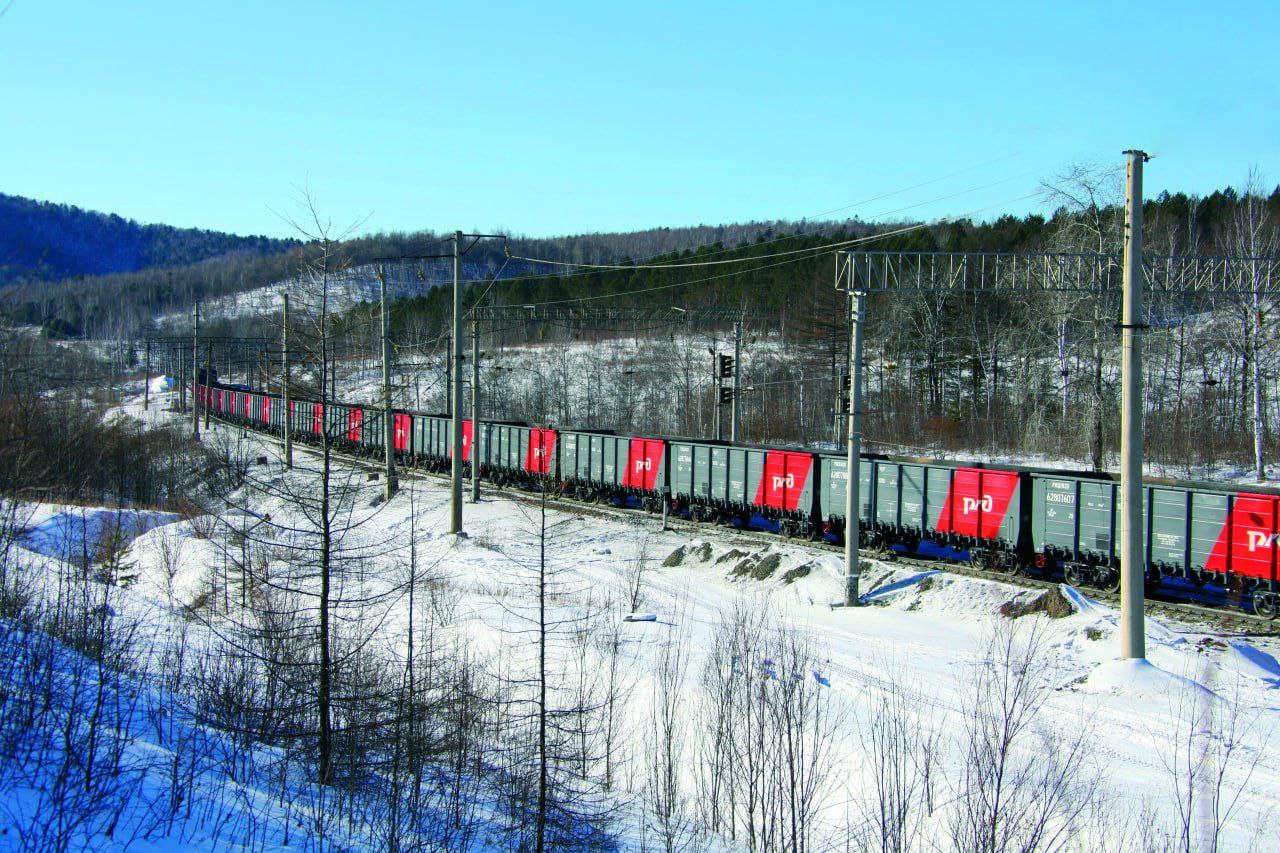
476,432
195,371
388,422
146,388
284,385
737,357
455,503
1133,561
853,449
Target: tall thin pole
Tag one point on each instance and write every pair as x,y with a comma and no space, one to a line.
388,421
455,502
208,361
195,371
448,378
146,387
1133,562
853,449
737,356
715,387
284,384
476,432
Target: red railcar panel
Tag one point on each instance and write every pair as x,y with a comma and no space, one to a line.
266,410
1249,539
317,419
542,448
644,462
977,502
466,440
355,423
782,482
403,429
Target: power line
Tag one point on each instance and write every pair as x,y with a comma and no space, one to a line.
708,263
814,251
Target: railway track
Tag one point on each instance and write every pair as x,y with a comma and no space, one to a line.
1222,619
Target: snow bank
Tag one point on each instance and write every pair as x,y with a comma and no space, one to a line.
163,384
1140,679
1251,662
75,533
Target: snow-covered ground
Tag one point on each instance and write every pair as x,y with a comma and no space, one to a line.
1204,698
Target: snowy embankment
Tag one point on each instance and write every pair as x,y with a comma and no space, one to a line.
1146,751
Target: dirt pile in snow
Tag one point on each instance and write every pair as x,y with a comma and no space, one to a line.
1051,603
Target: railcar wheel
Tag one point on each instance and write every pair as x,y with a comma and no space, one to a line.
1073,576
1266,604
1111,582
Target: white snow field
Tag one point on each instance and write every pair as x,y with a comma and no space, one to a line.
1179,750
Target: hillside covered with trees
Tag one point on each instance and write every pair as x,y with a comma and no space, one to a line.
41,241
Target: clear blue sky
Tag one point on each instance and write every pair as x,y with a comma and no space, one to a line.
548,118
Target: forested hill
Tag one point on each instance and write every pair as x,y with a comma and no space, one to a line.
115,304
788,271
144,272
41,241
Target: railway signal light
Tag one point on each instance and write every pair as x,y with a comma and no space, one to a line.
726,396
725,366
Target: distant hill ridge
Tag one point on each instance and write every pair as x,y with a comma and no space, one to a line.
83,273
42,241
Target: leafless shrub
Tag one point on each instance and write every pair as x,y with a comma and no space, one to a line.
1026,781
767,736
901,749
1208,761
668,797
633,576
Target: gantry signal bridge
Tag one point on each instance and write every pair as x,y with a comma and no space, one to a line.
1033,272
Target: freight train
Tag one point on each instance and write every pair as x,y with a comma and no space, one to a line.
1011,519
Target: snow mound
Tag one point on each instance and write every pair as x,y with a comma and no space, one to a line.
172,562
1252,662
1139,678
163,384
1082,603
77,533
897,586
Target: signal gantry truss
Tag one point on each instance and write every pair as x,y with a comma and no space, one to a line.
1032,272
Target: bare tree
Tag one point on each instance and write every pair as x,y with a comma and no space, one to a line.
1207,761
1253,233
901,751
667,798
1025,783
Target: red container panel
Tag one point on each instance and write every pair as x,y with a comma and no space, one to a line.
977,502
644,463
542,448
400,437
1249,538
466,439
783,480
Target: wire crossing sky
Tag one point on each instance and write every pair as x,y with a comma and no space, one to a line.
575,117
